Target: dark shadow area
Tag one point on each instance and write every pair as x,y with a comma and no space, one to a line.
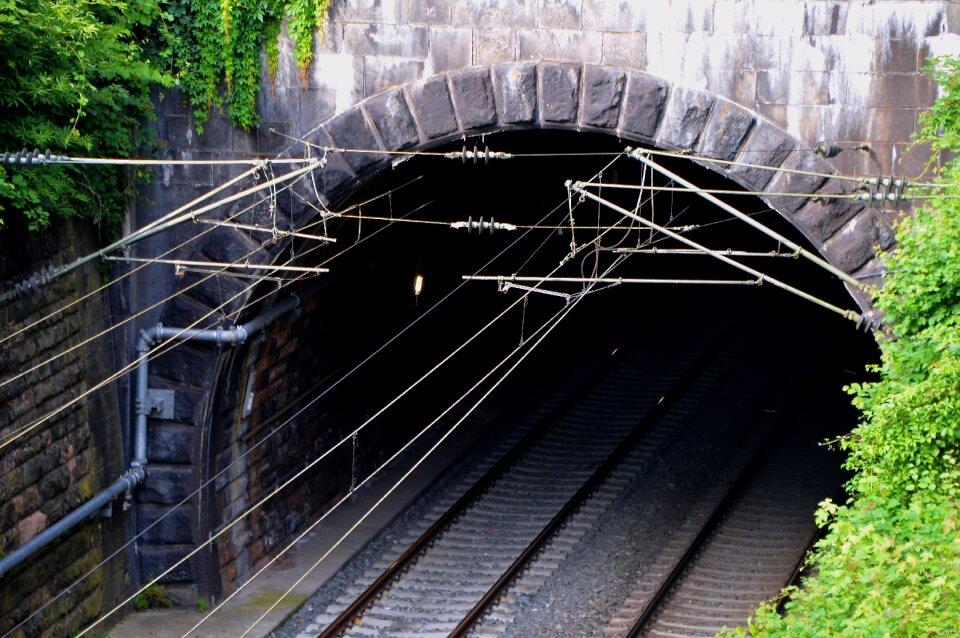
369,296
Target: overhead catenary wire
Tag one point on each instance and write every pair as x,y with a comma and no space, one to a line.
556,320
806,254
165,222
848,314
706,159
36,158
243,455
515,242
133,316
213,537
10,437
368,478
143,311
112,282
289,420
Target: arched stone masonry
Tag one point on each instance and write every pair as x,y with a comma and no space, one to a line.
632,105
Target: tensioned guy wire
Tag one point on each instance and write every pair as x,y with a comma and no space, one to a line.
556,320
341,379
303,470
187,498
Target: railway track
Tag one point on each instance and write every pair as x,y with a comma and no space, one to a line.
509,532
722,506
746,551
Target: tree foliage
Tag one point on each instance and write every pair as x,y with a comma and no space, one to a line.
79,76
75,78
890,563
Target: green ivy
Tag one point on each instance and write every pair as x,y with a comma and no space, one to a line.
890,562
218,43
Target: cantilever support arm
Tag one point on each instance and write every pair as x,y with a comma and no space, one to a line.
638,155
849,314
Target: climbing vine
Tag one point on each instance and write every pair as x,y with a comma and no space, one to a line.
890,562
217,44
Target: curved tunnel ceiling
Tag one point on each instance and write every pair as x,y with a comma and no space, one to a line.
369,294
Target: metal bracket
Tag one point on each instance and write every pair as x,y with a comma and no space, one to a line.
160,404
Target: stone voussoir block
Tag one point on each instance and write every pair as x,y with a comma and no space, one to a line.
646,98
474,99
559,93
393,120
351,132
811,173
855,244
824,216
333,179
516,86
602,96
684,118
433,108
767,145
726,130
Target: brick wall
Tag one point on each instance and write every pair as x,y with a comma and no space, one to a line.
71,456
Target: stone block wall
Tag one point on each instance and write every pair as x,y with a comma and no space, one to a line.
69,457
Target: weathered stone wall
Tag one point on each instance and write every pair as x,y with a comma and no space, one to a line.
70,456
759,80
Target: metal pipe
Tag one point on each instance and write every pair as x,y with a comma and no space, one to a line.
133,476
613,280
148,338
125,483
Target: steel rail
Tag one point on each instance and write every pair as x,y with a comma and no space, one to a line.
753,467
356,608
600,474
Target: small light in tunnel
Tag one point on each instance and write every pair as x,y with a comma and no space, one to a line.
417,285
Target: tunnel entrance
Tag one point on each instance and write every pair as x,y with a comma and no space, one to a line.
284,401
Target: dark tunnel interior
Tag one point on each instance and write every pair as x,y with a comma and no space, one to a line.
368,297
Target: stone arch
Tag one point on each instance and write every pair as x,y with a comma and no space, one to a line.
523,96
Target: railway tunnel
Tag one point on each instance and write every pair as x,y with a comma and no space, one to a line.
748,368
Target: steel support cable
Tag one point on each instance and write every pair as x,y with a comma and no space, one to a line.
17,433
368,478
336,446
168,221
806,254
346,439
871,179
187,498
556,320
313,463
146,262
313,401
848,314
157,260
198,200
721,191
42,158
278,428
523,299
